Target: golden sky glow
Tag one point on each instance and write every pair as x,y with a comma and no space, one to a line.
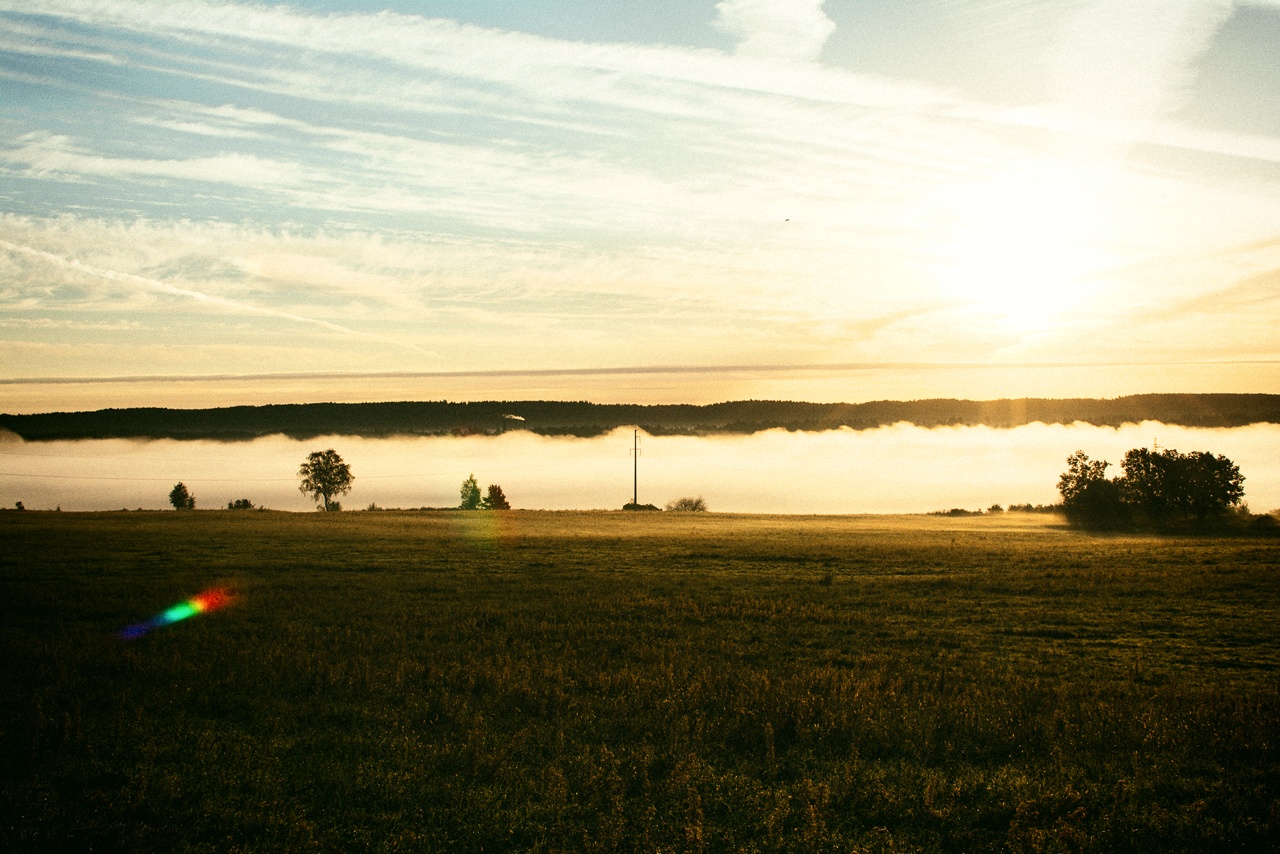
978,198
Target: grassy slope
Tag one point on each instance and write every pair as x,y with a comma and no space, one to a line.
607,681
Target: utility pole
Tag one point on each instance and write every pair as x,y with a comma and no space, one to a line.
635,483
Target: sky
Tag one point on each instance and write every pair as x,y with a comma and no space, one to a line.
208,203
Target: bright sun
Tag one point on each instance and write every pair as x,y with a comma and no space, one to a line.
1018,250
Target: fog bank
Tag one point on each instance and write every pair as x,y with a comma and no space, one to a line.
898,469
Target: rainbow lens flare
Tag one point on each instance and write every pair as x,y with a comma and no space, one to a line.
209,600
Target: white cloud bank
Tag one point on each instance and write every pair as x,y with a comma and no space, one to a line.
1129,61
776,29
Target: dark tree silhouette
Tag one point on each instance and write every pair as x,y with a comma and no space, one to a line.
181,499
324,475
1088,498
1169,486
553,418
1081,471
1158,487
495,500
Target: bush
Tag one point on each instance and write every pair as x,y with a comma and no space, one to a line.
687,505
240,504
1034,508
1098,505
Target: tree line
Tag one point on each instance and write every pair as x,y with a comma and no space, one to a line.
580,418
1161,489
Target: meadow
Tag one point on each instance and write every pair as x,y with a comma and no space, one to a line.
604,681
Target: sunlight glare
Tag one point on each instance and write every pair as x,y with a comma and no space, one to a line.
1018,251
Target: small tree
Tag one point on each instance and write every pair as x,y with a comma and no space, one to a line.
1080,473
180,498
687,505
495,500
470,494
324,475
240,504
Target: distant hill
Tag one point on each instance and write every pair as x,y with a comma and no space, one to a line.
557,418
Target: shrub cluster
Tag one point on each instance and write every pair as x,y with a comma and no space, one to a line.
687,505
1158,488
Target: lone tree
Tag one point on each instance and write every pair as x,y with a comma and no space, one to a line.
470,494
180,498
495,500
324,475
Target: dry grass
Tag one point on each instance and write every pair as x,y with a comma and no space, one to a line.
531,681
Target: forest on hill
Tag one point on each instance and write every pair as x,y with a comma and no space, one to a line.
580,418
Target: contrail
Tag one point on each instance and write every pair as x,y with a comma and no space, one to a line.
196,295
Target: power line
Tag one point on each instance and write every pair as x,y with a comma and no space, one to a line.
198,479
153,479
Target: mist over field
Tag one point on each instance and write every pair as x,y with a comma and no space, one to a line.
898,469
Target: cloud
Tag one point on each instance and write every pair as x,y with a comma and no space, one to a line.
441,68
1132,59
50,323
511,197
776,29
826,369
43,154
162,287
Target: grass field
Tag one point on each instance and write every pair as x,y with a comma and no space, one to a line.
533,681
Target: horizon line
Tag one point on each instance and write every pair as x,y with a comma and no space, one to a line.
622,370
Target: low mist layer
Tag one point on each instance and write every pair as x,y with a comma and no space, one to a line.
896,469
